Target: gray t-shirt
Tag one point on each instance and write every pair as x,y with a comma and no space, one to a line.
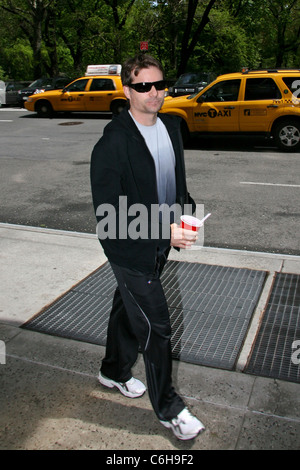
160,146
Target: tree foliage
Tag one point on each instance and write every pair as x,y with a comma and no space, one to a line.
51,37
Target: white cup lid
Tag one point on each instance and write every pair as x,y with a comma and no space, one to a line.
190,220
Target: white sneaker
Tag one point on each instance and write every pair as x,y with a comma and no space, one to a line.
133,388
185,426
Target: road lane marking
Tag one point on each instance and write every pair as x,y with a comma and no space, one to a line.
271,184
10,110
6,120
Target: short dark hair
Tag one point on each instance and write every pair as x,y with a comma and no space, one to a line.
136,64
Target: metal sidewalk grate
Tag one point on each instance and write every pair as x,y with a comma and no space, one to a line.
210,310
272,354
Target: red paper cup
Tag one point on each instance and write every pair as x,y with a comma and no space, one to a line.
189,222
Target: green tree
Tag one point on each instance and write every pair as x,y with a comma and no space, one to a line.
283,22
40,37
275,26
191,35
31,16
232,47
160,25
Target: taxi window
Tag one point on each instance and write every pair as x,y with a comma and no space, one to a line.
293,84
79,85
223,91
261,89
102,84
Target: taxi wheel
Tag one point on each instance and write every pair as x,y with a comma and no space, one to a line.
118,106
287,135
44,108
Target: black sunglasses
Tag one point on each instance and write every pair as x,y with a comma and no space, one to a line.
144,87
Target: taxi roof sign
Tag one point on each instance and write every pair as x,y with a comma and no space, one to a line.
108,69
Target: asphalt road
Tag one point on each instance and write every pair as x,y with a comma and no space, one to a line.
251,188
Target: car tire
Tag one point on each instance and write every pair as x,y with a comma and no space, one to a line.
117,106
44,108
287,135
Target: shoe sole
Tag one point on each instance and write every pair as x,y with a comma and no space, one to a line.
182,437
112,384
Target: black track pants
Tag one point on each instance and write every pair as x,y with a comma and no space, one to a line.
140,318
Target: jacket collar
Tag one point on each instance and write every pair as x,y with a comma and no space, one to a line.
126,120
173,127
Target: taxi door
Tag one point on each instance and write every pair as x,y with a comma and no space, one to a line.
217,109
72,97
100,94
262,100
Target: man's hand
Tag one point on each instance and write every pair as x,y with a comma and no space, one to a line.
182,238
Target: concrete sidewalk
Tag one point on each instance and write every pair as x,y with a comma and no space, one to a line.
49,395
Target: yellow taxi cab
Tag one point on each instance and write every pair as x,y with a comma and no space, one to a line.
251,102
99,90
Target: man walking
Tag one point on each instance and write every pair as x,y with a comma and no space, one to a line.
140,159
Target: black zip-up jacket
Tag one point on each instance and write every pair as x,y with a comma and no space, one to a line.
122,167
